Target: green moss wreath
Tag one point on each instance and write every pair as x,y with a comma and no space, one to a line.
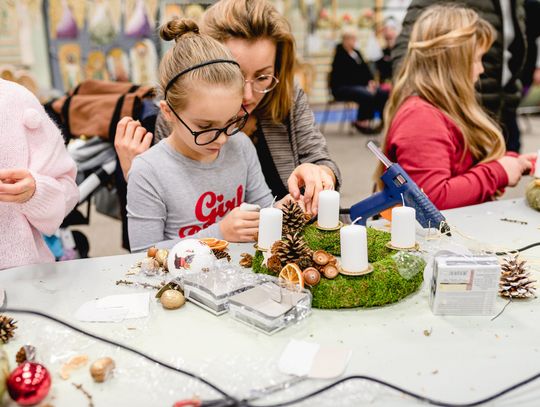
383,286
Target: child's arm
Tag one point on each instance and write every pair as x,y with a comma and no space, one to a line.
52,170
425,148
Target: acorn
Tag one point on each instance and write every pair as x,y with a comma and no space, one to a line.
321,257
172,299
330,271
152,251
102,369
311,276
161,257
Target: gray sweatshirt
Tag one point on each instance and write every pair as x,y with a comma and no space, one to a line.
170,196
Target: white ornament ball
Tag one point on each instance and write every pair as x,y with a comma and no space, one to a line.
190,256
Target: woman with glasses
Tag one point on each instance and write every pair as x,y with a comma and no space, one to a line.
292,151
193,181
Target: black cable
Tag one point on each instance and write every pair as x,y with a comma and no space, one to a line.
402,390
230,401
122,346
518,250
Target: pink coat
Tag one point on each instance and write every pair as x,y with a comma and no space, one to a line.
29,139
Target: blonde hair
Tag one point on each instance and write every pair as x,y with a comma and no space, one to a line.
438,67
252,20
192,48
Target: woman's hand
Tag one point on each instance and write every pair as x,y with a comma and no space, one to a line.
515,167
314,178
130,140
240,226
16,185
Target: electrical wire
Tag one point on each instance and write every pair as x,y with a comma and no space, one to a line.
120,345
230,401
518,250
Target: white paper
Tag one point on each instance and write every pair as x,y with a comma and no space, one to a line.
313,360
114,308
298,357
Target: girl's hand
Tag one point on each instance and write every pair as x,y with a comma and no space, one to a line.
16,185
314,178
532,158
515,167
240,226
130,140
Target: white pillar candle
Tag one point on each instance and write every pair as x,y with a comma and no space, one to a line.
328,215
270,223
354,253
537,166
403,227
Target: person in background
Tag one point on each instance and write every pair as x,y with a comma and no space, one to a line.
290,148
192,183
499,87
384,65
37,178
351,79
437,130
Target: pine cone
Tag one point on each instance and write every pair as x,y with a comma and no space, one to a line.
304,262
516,280
20,357
246,260
7,328
291,248
294,218
274,264
221,254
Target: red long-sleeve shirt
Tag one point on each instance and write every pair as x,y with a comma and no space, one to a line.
429,146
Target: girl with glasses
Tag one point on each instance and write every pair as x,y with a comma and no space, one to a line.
291,149
193,182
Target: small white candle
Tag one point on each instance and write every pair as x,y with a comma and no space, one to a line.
328,215
537,166
354,253
270,222
403,227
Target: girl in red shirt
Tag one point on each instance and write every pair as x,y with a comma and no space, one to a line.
437,130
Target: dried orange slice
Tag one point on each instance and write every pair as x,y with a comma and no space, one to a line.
291,272
220,245
210,241
214,244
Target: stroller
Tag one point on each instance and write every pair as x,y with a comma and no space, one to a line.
94,108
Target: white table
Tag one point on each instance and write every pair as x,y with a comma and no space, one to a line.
464,358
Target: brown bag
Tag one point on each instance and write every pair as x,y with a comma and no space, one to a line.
94,107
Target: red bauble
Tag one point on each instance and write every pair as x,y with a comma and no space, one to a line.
29,383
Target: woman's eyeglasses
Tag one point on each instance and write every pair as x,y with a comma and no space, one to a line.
263,83
205,137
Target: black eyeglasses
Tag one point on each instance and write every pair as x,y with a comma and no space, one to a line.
204,137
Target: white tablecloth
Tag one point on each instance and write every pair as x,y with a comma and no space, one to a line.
463,358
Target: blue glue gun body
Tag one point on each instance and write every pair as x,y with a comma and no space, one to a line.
397,183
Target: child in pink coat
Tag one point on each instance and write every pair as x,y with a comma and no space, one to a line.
37,178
